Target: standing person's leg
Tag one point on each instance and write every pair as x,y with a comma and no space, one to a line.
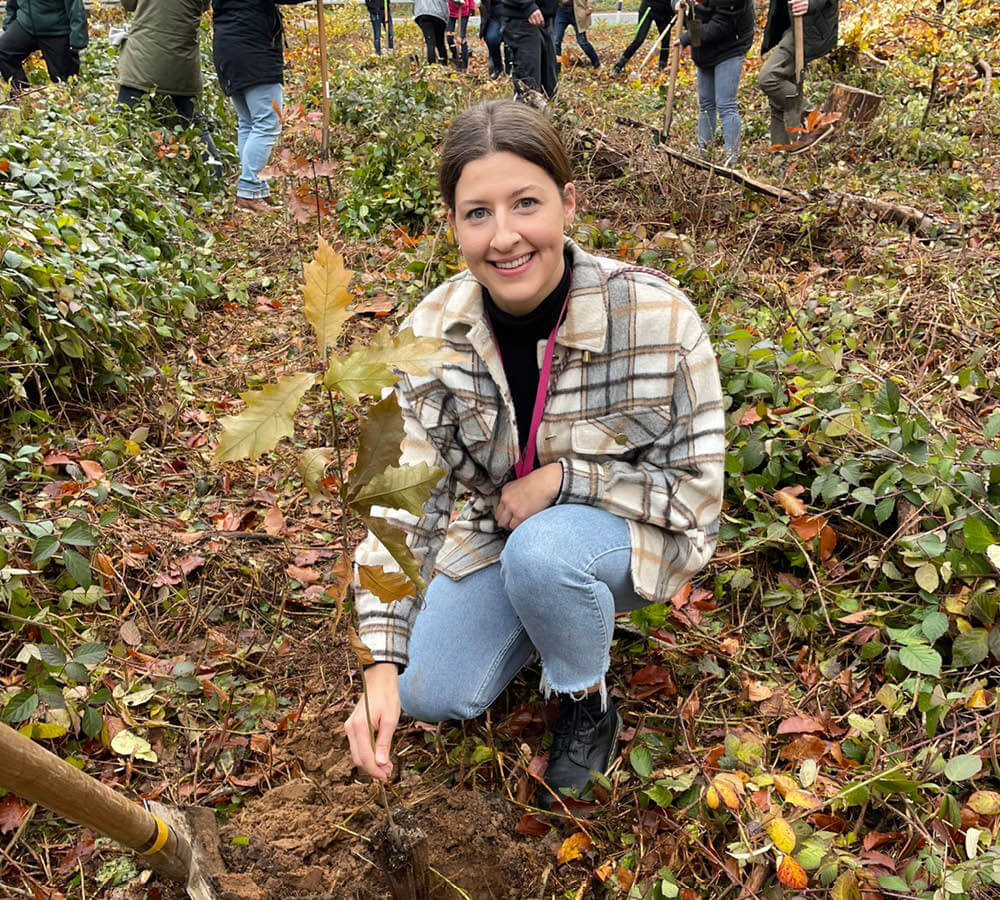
439,41
389,36
463,29
641,30
706,108
554,592
493,39
242,123
548,72
526,41
664,22
129,96
727,82
584,42
451,39
16,45
185,107
263,104
563,16
60,59
427,30
777,81
376,32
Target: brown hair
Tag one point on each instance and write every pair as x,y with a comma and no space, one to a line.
501,126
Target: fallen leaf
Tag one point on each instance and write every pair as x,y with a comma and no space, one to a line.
781,834
274,522
129,632
756,691
827,543
177,573
791,874
533,825
800,725
750,417
986,803
12,812
807,526
652,679
574,847
789,502
802,799
301,575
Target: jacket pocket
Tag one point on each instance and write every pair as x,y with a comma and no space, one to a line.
618,434
476,424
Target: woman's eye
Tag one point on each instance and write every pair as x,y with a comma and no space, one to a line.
477,213
526,202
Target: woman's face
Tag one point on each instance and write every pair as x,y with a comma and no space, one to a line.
509,220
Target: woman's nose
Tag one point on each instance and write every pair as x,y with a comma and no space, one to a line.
506,235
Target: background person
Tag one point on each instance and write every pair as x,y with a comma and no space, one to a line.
161,54
658,11
593,487
431,17
777,75
575,13
458,14
527,32
727,28
491,34
248,49
56,27
380,15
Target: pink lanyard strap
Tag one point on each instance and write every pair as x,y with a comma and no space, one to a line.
526,461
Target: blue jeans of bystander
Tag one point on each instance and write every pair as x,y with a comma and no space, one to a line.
717,93
563,574
258,116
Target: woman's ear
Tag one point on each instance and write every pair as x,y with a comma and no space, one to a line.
569,203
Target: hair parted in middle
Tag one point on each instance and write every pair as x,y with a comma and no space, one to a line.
501,126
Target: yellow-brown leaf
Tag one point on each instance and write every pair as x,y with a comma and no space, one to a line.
388,586
360,648
784,784
326,295
803,799
791,874
789,502
781,834
712,797
846,887
574,847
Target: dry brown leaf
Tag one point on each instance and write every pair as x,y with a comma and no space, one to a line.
800,725
12,813
303,576
758,691
274,522
807,527
574,847
390,587
789,502
129,633
360,648
827,543
533,825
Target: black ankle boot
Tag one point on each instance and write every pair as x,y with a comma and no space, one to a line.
584,740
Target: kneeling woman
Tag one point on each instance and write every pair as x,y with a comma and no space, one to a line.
585,422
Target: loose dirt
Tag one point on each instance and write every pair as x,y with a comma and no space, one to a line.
308,837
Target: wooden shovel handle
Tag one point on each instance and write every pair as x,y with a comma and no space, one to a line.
800,50
675,61
33,773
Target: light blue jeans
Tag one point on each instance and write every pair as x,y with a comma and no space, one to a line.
259,124
717,92
563,574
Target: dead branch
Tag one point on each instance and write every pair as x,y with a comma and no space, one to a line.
986,69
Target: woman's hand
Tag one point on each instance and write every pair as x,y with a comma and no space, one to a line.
524,497
799,7
536,19
382,681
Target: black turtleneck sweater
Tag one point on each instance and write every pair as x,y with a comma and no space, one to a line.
518,337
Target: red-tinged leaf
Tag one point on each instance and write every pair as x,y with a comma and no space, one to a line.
574,847
800,725
12,813
303,576
856,618
379,306
59,459
750,417
805,746
236,521
880,859
81,851
875,839
176,573
791,874
789,501
827,543
683,595
274,522
827,822
521,717
807,527
249,780
652,679
532,825
538,765
92,469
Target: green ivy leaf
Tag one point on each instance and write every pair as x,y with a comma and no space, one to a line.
641,761
927,577
78,567
90,654
977,535
934,625
921,658
79,534
962,768
22,706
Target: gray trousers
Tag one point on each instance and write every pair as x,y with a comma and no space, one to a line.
777,81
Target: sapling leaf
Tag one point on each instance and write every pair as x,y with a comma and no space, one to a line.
360,648
394,540
326,295
380,442
389,587
399,487
265,421
312,467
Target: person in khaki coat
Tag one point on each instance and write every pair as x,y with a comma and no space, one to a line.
575,13
161,54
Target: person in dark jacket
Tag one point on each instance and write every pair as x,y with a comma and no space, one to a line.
431,17
248,49
777,75
575,13
162,54
527,31
658,11
381,17
491,34
56,27
725,30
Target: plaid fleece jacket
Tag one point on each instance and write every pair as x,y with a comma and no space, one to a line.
633,414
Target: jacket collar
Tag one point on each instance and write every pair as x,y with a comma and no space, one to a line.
585,326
